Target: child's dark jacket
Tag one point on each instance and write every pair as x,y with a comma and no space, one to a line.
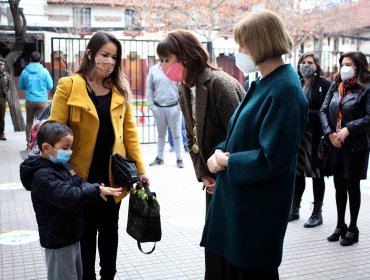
58,198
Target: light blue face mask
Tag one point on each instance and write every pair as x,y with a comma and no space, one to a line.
63,156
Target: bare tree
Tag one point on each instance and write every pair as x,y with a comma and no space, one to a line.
207,18
20,26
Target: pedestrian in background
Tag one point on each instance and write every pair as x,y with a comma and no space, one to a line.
58,195
96,104
4,92
345,118
36,81
315,88
163,100
208,98
256,164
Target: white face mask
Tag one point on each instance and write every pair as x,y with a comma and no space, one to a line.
245,63
347,73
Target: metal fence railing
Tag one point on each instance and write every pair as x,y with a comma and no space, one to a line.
140,55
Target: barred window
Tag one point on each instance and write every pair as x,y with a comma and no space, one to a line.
81,17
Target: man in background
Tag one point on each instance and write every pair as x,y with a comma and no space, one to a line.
36,81
162,95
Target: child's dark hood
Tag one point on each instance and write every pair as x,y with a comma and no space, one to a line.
28,168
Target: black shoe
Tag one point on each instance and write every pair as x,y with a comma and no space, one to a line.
316,217
179,163
157,161
338,232
294,216
2,137
350,238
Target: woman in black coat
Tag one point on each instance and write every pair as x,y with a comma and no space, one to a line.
309,165
345,118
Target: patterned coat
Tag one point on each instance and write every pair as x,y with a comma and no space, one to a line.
217,96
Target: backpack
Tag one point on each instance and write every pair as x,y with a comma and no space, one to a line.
32,147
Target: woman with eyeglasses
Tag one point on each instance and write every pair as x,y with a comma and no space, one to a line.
345,118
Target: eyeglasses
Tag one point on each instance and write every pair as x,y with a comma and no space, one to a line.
195,147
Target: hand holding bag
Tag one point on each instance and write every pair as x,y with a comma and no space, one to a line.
143,222
124,171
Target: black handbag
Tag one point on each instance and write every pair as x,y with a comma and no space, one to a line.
144,222
323,150
124,171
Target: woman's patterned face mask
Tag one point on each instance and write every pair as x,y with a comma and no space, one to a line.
307,70
104,66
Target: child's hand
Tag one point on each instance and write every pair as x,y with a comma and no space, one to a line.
104,191
115,191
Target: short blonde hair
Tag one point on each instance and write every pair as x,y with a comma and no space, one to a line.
264,34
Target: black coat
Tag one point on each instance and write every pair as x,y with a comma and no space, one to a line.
355,115
58,195
319,89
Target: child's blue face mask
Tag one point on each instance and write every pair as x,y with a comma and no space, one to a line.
63,156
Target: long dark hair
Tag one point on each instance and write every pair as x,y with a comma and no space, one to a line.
117,78
362,68
189,50
316,59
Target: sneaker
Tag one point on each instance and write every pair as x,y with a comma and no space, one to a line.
157,161
171,149
2,137
179,163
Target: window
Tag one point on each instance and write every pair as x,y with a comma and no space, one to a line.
316,45
81,17
131,18
336,44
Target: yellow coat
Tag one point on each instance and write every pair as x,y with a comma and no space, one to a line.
72,105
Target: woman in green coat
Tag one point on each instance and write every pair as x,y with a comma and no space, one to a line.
255,165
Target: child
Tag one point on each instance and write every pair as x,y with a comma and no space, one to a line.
58,195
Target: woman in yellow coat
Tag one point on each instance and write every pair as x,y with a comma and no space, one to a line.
95,103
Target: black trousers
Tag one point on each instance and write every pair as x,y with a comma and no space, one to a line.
218,268
318,185
101,218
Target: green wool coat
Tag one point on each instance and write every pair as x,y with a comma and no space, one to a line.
248,215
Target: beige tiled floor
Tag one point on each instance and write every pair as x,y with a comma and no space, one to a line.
307,254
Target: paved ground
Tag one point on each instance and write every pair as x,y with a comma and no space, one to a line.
307,254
